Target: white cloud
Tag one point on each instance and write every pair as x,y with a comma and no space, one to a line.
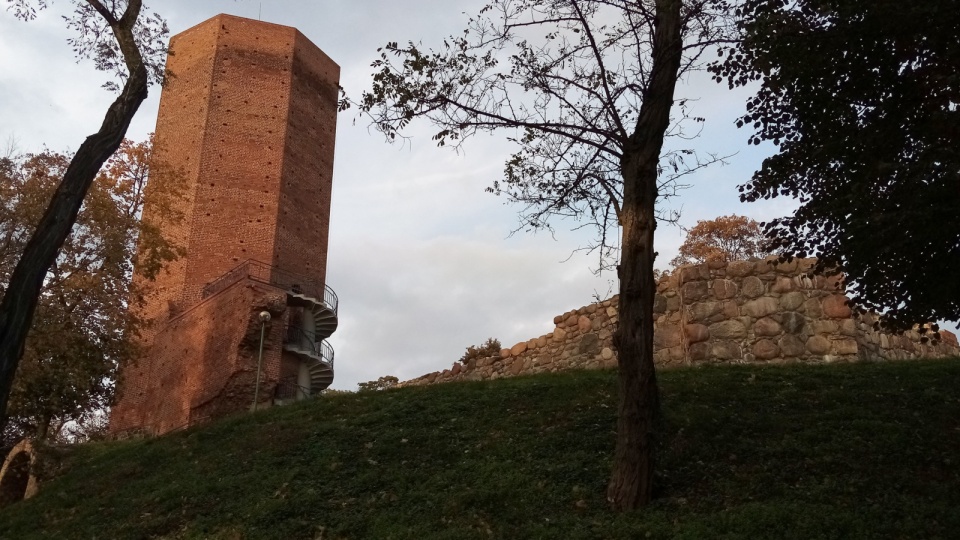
413,307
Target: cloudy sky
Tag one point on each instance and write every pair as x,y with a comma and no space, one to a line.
421,257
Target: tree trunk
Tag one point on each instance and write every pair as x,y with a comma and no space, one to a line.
43,428
631,483
23,291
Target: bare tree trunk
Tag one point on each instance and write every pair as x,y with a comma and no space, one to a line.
631,483
23,291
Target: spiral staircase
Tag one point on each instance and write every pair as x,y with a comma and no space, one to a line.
308,341
305,339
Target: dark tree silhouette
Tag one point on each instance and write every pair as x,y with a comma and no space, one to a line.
862,100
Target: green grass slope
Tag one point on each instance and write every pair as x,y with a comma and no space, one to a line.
805,452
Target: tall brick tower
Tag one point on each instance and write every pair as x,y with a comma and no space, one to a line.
248,120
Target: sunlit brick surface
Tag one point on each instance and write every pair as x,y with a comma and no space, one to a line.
249,119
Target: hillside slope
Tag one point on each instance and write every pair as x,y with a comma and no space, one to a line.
841,451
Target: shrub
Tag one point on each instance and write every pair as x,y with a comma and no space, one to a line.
383,383
490,347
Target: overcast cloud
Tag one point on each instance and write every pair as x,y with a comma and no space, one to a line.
420,255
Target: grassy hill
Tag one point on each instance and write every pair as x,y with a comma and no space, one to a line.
843,451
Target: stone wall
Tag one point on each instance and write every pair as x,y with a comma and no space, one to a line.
738,312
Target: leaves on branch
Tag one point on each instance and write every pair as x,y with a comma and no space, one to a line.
83,329
726,238
383,383
93,23
566,80
861,98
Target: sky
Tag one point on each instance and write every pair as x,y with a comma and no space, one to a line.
422,258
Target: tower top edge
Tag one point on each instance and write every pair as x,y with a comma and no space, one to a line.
251,25
226,17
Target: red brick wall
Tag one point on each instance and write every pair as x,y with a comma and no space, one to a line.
203,363
181,125
237,190
249,119
304,218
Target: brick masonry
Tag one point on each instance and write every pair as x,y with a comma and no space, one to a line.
742,312
248,118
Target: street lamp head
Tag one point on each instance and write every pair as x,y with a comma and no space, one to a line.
264,316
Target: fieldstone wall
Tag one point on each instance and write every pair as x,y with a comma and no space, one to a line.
739,312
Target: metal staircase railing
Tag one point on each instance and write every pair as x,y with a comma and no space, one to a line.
271,275
288,388
305,340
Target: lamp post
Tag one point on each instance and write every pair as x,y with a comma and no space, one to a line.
264,319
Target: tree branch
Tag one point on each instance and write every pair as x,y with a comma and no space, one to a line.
104,12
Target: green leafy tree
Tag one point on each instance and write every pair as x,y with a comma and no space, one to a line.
119,39
82,329
862,100
586,90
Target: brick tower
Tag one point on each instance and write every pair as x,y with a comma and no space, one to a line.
248,122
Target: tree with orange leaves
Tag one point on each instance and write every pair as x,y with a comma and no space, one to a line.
726,238
122,39
82,328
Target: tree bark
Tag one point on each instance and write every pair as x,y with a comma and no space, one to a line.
631,482
26,281
43,428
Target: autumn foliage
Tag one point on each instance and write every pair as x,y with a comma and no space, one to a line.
119,40
726,238
82,329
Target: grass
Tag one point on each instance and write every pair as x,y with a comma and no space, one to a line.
805,452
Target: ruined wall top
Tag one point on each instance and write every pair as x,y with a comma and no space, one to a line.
737,312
